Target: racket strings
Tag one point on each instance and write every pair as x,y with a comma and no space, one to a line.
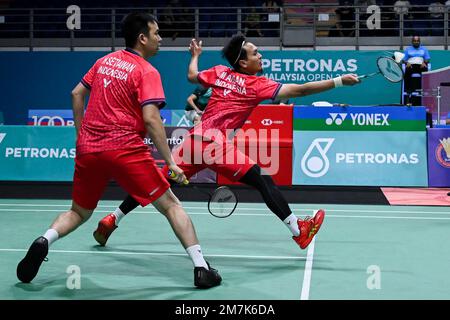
222,203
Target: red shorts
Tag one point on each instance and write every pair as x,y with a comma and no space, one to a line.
194,155
133,169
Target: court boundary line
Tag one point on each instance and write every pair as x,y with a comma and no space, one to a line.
308,271
239,208
163,254
268,214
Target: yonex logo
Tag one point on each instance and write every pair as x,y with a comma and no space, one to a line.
336,118
225,92
106,82
266,122
2,136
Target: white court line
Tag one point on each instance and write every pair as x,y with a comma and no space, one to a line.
268,214
388,217
238,208
165,254
308,271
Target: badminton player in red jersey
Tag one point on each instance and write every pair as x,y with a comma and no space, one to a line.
236,92
126,95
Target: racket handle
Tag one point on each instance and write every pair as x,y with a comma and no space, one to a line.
173,175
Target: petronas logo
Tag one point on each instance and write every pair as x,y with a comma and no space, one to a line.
2,136
315,163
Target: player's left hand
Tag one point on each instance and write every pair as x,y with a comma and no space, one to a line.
195,47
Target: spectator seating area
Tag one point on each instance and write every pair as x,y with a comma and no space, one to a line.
255,18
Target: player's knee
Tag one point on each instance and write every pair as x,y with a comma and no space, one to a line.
83,213
168,202
174,204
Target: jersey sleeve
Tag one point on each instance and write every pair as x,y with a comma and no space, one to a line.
267,89
427,54
88,78
208,77
150,89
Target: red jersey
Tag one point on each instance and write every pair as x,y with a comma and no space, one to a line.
121,83
234,96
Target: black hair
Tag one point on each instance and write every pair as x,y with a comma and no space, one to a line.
234,51
134,24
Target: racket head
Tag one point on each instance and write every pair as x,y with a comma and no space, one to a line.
222,202
390,69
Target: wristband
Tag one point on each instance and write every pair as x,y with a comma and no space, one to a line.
338,82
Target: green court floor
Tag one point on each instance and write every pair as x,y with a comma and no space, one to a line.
361,252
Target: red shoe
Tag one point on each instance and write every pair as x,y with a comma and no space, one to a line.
106,226
308,229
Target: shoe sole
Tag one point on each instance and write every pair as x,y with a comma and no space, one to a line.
99,235
28,267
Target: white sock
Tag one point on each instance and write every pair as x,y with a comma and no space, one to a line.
195,252
119,215
291,223
51,235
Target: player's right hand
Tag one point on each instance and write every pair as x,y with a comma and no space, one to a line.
176,174
350,79
195,47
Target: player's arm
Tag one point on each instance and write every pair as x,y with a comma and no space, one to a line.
196,50
157,133
190,101
79,94
293,90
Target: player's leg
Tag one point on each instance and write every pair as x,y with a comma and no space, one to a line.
169,205
109,223
245,170
302,230
137,173
88,184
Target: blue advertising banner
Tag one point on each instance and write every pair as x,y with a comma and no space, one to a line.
356,118
47,153
360,159
51,90
34,153
166,116
179,119
56,117
53,117
439,157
